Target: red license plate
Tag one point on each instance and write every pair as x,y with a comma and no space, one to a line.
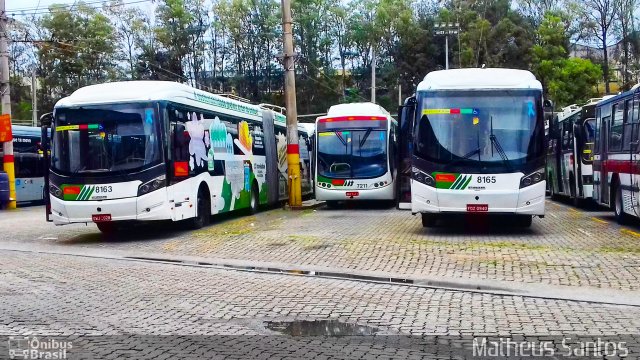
101,217
352,193
477,207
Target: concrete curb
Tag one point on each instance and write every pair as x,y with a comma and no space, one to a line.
306,205
483,286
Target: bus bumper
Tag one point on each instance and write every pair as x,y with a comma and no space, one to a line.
148,207
383,193
526,201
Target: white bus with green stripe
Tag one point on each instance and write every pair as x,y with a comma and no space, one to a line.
355,154
156,150
478,145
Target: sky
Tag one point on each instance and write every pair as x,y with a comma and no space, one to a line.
18,7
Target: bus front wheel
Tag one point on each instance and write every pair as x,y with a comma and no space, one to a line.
429,220
524,221
254,205
107,228
203,210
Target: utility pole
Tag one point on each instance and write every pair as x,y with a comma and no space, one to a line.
373,74
6,103
34,99
293,147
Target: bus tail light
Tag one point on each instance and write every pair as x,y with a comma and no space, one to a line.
422,177
533,178
152,185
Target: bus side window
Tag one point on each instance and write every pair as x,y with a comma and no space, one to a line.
628,125
596,144
615,135
635,118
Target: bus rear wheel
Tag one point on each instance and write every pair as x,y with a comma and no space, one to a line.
618,207
429,220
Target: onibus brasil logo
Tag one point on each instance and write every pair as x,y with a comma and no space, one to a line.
31,347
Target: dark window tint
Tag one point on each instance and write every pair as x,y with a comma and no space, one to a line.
617,127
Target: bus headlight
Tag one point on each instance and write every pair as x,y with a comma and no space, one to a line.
533,178
152,185
55,191
422,177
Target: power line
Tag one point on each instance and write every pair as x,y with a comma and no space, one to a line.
70,9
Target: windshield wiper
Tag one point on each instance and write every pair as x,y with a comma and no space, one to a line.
365,137
495,143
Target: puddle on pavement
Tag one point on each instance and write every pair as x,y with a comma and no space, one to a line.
319,328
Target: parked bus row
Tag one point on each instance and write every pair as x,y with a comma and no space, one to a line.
468,141
593,153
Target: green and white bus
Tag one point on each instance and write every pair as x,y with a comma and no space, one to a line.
355,156
478,145
156,150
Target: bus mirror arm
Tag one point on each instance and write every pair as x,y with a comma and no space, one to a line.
46,120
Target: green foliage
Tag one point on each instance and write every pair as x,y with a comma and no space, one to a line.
574,81
566,81
233,46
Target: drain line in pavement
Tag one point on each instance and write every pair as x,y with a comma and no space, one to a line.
345,275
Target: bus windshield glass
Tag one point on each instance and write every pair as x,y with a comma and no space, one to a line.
497,130
105,139
352,154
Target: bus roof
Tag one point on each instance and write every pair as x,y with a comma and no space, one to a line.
20,130
361,109
609,98
151,90
479,79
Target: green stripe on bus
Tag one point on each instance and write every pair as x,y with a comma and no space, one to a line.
455,183
467,183
89,193
461,182
79,197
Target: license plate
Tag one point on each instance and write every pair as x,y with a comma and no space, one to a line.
477,207
101,217
352,193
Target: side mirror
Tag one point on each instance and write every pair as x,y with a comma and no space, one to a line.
46,120
547,105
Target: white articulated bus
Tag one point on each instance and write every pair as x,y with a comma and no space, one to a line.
155,150
355,154
479,145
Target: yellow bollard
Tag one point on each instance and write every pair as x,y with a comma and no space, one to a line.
9,168
293,162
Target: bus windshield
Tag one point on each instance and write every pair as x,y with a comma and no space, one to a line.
497,130
107,138
352,154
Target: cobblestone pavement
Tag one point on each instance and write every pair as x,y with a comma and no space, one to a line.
72,296
570,246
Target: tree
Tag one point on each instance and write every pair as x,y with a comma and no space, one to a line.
574,81
130,24
79,49
601,14
566,81
625,21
